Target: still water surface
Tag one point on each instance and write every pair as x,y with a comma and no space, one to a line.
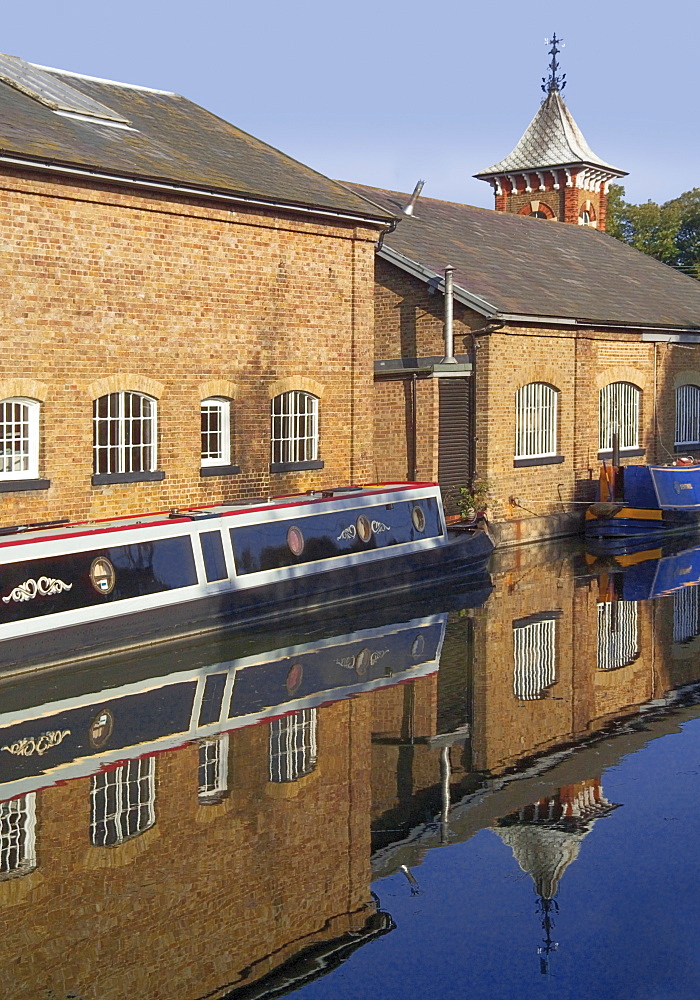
480,795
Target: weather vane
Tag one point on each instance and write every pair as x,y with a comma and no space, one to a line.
554,82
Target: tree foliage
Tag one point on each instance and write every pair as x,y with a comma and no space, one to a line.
669,232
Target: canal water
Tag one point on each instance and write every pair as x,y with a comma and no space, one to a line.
493,793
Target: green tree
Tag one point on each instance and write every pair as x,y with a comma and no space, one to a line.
669,232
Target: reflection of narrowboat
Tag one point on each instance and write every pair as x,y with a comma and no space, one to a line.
639,501
647,573
54,735
77,589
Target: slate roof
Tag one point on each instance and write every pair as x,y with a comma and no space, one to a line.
551,139
513,265
168,139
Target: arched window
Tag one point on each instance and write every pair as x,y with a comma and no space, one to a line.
686,614
122,802
17,836
216,431
294,427
213,769
618,644
619,413
293,746
538,215
19,438
688,415
536,420
124,438
534,653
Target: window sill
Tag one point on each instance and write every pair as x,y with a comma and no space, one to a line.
19,485
624,453
219,470
681,449
527,463
109,478
294,466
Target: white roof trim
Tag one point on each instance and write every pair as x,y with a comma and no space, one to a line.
99,79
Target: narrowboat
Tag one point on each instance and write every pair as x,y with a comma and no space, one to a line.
71,590
647,573
640,501
69,724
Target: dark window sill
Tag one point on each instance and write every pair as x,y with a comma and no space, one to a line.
541,616
19,485
108,478
219,470
681,449
527,463
624,453
294,466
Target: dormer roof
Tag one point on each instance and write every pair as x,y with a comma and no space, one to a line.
552,139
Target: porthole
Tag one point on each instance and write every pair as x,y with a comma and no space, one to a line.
295,540
102,575
294,678
418,518
101,728
364,528
362,662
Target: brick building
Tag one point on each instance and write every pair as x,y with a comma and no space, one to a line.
555,337
186,312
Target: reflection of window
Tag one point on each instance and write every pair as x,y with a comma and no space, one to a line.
619,413
293,746
534,652
686,614
216,433
688,414
19,439
213,769
617,634
124,433
122,802
17,836
294,427
536,420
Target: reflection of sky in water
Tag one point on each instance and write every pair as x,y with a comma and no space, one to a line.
629,904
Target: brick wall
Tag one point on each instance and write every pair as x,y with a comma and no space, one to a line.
102,285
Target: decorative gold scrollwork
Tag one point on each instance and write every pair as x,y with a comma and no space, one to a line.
30,745
45,586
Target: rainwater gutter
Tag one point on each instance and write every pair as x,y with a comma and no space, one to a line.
181,189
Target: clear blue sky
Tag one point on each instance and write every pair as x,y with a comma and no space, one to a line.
385,92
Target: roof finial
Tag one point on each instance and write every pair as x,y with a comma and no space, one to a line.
554,82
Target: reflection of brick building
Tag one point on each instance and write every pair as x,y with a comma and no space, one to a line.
153,892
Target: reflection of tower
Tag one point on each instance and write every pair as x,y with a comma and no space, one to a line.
545,837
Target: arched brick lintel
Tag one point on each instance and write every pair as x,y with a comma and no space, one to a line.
686,378
296,382
621,373
218,387
27,388
550,376
125,383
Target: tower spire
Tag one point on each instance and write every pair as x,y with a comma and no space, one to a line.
554,81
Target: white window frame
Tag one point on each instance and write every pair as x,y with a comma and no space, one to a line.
687,414
294,427
130,810
536,414
293,748
213,769
619,407
18,836
535,659
686,614
121,422
618,634
218,410
22,462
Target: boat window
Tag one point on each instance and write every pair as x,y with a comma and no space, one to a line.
293,746
17,836
19,439
534,654
294,427
122,802
216,431
124,433
619,414
213,555
536,420
688,415
618,643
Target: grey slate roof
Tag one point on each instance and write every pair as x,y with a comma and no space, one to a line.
169,140
516,265
551,139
